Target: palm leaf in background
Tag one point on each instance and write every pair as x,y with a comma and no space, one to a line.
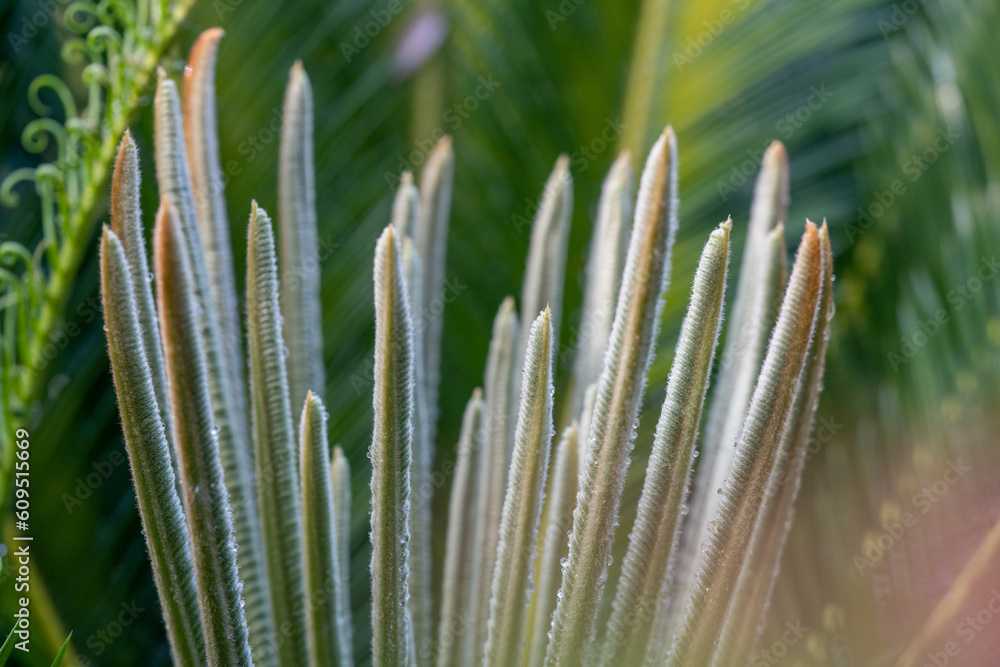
524,92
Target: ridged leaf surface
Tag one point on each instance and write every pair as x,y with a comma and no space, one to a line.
206,500
390,456
619,395
278,496
522,505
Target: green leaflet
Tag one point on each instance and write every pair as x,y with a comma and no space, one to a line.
406,207
202,143
201,137
768,210
278,498
431,235
586,417
390,455
220,591
126,221
299,241
8,646
420,602
523,502
759,291
459,552
725,550
174,181
565,478
149,458
545,271
62,651
652,542
319,535
340,473
491,476
604,274
757,579
619,395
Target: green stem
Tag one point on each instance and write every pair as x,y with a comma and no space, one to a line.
80,227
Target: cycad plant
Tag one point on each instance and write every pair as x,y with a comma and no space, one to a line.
245,508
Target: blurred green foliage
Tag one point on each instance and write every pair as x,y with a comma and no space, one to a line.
855,88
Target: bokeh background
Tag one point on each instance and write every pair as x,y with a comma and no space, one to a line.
889,112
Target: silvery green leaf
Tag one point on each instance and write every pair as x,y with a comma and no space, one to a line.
163,522
406,207
558,516
756,582
586,416
763,271
619,396
201,136
523,501
340,473
390,456
206,501
604,274
491,475
545,271
653,540
202,143
431,236
767,210
459,551
725,551
420,602
278,497
319,536
298,241
174,183
126,222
